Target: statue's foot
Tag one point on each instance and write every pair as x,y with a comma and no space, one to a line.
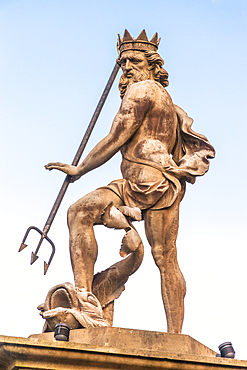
130,242
133,212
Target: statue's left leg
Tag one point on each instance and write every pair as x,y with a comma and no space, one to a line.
161,228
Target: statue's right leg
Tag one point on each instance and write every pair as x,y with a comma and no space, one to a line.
161,228
82,216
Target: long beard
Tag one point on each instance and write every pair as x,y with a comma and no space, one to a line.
125,82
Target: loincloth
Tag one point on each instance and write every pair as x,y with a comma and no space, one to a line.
155,195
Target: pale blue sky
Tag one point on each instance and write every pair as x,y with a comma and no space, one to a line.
55,58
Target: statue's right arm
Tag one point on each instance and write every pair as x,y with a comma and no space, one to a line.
128,119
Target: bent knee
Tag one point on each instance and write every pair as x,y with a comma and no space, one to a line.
79,212
72,211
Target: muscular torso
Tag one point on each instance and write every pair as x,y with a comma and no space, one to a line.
155,138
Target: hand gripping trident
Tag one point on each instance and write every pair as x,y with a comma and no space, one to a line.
67,180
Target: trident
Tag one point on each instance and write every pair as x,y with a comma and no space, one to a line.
67,180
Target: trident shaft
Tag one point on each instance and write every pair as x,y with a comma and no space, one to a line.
67,180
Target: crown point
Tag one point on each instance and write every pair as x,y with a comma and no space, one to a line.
142,36
154,39
140,43
127,36
158,41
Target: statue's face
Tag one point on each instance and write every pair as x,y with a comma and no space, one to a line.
133,62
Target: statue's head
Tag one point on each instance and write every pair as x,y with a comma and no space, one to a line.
139,60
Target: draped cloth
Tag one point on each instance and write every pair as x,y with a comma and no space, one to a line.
191,155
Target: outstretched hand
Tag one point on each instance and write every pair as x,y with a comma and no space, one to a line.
66,168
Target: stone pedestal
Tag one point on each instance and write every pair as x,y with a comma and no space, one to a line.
110,348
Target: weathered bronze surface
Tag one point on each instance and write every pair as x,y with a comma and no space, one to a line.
160,153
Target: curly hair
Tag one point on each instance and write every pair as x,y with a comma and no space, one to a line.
156,62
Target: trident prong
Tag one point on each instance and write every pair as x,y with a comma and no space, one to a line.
34,255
